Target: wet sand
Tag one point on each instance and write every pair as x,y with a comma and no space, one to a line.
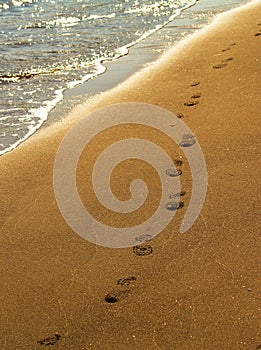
198,290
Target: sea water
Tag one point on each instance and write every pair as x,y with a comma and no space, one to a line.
49,46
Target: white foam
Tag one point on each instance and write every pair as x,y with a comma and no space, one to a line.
112,15
218,21
99,69
64,22
182,45
41,114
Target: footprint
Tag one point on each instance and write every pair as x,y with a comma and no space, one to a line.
177,195
196,95
187,140
143,238
143,249
191,103
172,172
116,295
257,34
227,49
220,65
126,281
195,84
111,298
227,59
50,340
121,291
180,115
178,162
172,206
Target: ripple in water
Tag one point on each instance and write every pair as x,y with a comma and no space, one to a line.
47,47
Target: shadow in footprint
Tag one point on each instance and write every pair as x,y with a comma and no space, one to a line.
178,162
173,206
196,95
146,237
219,66
257,34
180,115
50,340
188,140
172,172
191,103
196,83
115,296
177,195
126,281
227,59
227,49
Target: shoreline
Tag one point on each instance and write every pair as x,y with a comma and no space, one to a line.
65,97
141,53
198,290
94,90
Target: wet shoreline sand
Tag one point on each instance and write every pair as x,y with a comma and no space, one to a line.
198,290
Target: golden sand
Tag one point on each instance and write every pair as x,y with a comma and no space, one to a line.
198,290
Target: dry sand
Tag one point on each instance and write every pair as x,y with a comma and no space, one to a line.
194,291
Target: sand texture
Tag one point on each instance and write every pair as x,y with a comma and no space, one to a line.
197,290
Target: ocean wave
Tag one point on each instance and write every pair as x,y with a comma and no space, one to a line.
61,45
111,15
64,22
12,78
15,3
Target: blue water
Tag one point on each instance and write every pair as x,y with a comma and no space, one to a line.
49,46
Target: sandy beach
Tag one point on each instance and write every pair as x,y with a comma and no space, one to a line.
199,290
